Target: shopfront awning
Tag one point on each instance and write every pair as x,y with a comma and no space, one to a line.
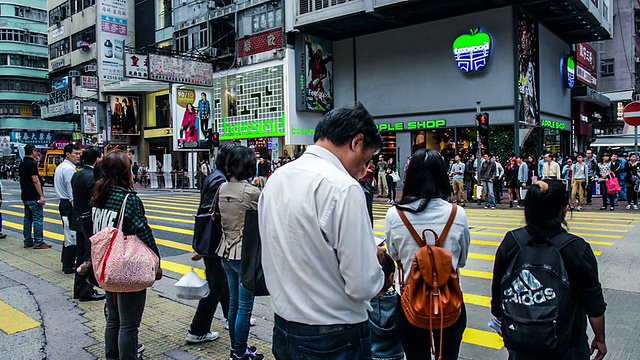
613,141
587,94
135,86
615,96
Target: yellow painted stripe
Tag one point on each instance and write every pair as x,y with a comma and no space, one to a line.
187,215
476,274
183,221
520,218
570,222
172,201
146,205
47,234
477,300
571,228
174,245
497,243
481,257
584,235
483,338
14,321
169,202
180,268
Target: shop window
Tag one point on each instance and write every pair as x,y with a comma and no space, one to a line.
87,35
607,67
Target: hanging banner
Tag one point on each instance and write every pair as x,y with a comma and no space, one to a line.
113,15
315,73
528,89
171,69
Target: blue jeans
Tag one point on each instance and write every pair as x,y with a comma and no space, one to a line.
295,341
490,199
240,307
124,317
33,217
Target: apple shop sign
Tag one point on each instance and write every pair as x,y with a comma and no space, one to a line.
471,51
412,125
554,125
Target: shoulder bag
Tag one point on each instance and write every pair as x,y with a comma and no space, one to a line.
207,230
251,263
613,186
122,263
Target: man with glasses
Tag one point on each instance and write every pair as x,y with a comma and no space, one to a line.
64,191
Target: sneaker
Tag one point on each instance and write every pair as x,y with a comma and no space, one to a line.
486,207
579,208
252,321
249,354
141,349
42,246
518,206
194,339
27,246
226,324
635,207
629,207
493,208
3,236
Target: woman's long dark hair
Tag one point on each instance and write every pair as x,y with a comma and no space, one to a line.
114,171
544,210
426,179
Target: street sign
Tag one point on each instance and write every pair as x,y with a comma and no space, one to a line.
631,114
191,144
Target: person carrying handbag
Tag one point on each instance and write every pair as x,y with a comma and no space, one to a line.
608,198
425,207
114,194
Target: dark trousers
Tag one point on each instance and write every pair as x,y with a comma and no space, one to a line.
579,352
368,190
590,184
81,288
295,341
392,188
497,190
123,320
606,197
470,184
632,196
68,255
415,340
218,293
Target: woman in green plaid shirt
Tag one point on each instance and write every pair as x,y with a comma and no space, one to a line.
114,181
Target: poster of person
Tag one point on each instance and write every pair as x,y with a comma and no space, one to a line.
191,116
163,113
90,119
318,74
528,93
123,111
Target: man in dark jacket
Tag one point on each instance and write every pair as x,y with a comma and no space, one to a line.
218,290
488,172
82,183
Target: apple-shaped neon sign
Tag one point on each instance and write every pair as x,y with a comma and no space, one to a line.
472,50
571,72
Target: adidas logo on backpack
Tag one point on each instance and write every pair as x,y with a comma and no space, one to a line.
536,295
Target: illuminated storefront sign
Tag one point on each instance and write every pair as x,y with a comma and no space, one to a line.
554,125
253,129
569,72
413,125
471,51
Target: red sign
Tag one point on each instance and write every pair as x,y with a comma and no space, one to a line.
586,56
631,114
586,77
255,44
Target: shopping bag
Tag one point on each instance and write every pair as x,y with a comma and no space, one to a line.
122,263
613,186
478,192
523,193
192,287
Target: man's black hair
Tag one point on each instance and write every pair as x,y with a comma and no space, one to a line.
341,125
28,150
69,148
223,153
241,163
90,155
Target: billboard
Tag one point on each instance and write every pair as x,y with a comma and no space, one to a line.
123,113
587,65
35,138
165,68
314,71
90,119
528,88
137,66
113,31
191,107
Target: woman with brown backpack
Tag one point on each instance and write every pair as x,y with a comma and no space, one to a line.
426,233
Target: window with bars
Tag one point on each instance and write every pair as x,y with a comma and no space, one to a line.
182,41
59,13
79,5
192,38
87,36
260,19
607,67
59,48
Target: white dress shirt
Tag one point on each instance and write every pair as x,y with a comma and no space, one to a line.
62,180
318,248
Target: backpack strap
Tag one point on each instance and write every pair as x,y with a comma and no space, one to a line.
521,236
447,227
562,239
410,227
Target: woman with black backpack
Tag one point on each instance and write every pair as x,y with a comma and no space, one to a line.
542,315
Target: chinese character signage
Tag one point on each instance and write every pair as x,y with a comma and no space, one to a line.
5,145
189,72
255,44
587,67
528,89
314,72
36,138
123,115
471,51
89,82
113,15
61,108
137,66
191,107
90,119
585,76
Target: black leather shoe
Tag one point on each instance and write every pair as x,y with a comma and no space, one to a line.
93,297
68,270
3,236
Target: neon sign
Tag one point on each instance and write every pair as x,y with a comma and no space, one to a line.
413,125
554,125
471,51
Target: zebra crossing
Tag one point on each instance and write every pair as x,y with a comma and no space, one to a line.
170,215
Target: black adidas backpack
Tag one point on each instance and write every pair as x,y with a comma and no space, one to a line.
538,312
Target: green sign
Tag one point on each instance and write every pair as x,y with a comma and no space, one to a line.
471,51
306,132
252,129
413,125
554,125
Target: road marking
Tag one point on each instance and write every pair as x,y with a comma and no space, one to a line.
476,274
481,257
494,234
569,221
483,338
152,217
497,243
14,321
174,245
571,228
180,268
477,300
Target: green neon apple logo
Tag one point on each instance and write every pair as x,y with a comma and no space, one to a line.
472,50
571,72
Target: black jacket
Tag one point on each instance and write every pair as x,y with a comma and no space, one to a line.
83,188
211,184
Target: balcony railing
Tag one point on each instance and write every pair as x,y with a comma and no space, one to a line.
308,6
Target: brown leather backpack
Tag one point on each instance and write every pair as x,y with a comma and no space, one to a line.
431,298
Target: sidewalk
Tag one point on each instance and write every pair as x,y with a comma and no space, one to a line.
75,330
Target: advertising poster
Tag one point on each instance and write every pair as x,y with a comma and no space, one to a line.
315,71
163,113
191,107
113,15
137,66
123,115
528,93
90,119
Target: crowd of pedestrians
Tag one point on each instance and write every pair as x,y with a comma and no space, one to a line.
333,284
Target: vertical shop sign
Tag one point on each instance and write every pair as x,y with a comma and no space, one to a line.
113,15
528,88
587,67
314,72
90,119
137,66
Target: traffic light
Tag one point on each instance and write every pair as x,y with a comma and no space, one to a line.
215,139
482,123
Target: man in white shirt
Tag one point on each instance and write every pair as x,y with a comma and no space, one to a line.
319,256
550,169
62,183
